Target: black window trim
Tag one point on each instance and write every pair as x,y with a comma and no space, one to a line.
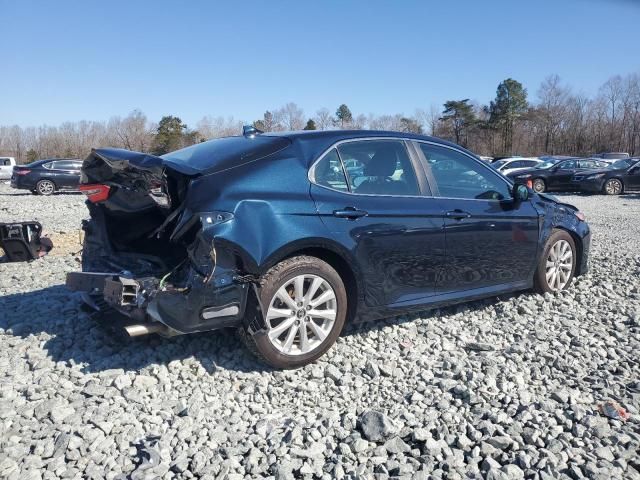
485,166
410,153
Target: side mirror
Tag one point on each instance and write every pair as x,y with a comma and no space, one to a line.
520,193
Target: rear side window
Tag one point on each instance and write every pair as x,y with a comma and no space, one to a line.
379,167
528,163
329,173
457,175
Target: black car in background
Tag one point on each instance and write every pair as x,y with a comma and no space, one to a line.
553,175
45,177
619,177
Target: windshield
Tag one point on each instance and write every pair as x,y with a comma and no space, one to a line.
499,163
547,164
626,163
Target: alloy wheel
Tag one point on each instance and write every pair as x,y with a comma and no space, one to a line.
613,187
559,265
45,187
301,314
538,186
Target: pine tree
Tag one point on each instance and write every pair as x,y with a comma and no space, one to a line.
344,116
460,116
509,105
311,125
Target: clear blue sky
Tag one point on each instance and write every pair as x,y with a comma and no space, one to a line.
74,60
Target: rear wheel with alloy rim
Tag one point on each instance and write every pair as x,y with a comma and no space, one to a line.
305,306
613,187
539,186
557,265
45,187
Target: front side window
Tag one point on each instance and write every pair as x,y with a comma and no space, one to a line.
329,173
379,167
459,176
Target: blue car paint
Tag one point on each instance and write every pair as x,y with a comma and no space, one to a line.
405,255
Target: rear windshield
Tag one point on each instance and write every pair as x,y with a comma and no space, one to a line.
227,152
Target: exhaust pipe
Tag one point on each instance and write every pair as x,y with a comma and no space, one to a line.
139,330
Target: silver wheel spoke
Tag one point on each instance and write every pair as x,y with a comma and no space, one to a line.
277,331
288,343
312,290
327,314
324,298
298,285
318,331
304,340
283,296
278,313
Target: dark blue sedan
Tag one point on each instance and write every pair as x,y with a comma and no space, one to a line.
274,235
44,177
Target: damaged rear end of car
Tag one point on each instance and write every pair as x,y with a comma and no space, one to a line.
151,260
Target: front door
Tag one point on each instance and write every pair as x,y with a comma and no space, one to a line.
395,234
490,239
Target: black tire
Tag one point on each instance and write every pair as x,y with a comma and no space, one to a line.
540,282
613,186
539,185
45,187
258,341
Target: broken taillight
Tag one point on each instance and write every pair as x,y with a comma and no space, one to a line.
96,192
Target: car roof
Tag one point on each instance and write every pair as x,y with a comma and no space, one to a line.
37,163
314,142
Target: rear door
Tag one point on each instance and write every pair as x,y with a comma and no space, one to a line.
560,178
67,173
386,218
632,180
490,239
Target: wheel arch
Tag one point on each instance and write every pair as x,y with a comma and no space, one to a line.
334,255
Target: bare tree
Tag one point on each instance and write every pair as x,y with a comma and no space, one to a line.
323,119
291,116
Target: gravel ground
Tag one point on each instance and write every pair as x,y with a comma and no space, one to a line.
506,388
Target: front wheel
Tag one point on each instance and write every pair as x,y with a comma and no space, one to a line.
557,265
539,186
304,306
613,187
45,187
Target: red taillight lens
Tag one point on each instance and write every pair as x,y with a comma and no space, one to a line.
530,183
96,192
21,172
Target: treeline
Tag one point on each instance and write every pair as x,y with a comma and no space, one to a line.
554,120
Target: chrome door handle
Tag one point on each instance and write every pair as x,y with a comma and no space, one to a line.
458,214
351,213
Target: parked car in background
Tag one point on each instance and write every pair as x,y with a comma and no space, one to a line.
612,156
619,177
44,177
514,164
486,159
257,232
6,167
556,176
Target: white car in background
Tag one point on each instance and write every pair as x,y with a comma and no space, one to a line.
6,167
514,164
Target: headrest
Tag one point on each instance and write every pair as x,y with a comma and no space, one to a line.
383,163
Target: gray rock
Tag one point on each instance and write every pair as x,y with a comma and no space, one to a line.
376,426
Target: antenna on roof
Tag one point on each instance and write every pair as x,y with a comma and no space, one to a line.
250,131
